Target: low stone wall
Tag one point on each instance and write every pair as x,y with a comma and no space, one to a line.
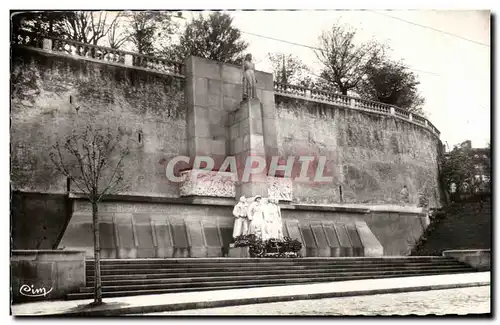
38,220
478,258
38,275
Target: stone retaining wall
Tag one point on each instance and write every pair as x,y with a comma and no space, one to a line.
46,274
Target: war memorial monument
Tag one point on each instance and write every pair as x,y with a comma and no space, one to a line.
221,151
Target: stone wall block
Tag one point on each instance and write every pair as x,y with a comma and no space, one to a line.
230,103
200,92
232,74
264,80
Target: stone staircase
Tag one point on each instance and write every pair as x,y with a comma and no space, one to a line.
154,276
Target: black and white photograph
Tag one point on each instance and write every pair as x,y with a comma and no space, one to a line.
227,162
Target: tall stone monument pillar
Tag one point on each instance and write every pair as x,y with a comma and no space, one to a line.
220,124
247,145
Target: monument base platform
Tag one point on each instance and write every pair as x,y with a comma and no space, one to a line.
204,228
238,251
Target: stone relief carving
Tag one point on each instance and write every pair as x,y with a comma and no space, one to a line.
203,183
280,188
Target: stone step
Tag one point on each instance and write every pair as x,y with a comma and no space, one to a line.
132,282
117,271
183,267
118,275
304,260
121,277
110,294
306,278
245,267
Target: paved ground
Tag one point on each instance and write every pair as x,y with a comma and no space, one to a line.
474,300
222,298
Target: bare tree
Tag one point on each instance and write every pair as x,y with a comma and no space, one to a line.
116,34
288,68
88,26
344,62
92,158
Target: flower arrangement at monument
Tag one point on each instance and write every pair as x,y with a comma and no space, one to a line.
272,247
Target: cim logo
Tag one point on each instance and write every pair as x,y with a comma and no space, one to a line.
31,291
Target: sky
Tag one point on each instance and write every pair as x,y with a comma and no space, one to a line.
454,73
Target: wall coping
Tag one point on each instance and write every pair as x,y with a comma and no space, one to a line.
45,251
350,208
465,251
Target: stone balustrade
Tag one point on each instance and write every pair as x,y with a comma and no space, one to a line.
28,39
352,102
110,55
84,50
100,53
402,113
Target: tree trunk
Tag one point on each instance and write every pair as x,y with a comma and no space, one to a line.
97,256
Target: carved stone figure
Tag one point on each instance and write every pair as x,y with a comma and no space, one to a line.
405,195
240,212
256,218
249,81
273,225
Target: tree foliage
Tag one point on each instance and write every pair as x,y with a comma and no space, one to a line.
459,173
41,23
212,38
151,31
344,62
88,27
392,83
457,169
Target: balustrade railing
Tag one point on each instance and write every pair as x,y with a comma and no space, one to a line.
372,106
159,64
433,128
88,50
357,103
101,53
330,97
290,89
28,39
419,119
401,113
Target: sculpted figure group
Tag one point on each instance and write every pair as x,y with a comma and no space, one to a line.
258,216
